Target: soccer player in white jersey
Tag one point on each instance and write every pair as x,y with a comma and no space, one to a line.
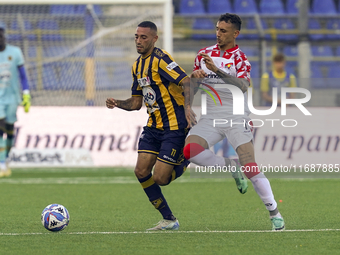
12,73
225,63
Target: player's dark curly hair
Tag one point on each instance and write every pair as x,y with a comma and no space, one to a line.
148,24
232,18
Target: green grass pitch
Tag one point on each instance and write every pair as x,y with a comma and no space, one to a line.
109,213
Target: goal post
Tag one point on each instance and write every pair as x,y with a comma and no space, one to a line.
86,56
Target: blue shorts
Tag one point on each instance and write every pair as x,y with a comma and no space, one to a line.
8,112
167,145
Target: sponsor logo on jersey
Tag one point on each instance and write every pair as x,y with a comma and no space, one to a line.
145,81
171,66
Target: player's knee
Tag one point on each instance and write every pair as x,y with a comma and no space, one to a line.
161,180
192,149
141,172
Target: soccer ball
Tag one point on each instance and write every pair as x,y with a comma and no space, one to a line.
55,217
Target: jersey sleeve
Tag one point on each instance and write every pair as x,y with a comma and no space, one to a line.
20,58
243,67
170,70
136,90
264,86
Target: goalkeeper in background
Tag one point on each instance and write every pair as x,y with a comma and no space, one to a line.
12,73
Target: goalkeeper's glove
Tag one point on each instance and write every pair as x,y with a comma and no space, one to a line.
26,101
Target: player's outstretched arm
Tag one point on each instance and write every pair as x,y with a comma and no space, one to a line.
242,84
188,98
131,104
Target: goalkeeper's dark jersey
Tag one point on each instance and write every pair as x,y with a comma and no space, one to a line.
157,78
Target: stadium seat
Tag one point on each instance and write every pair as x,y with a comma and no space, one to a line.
314,24
251,25
204,24
245,6
323,7
112,75
62,9
292,6
48,26
219,6
255,74
284,24
317,79
271,7
322,51
250,51
81,9
333,24
333,77
290,51
337,51
291,67
28,28
192,7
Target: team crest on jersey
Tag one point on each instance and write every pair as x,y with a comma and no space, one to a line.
9,58
159,53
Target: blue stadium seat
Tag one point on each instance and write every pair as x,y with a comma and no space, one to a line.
271,7
323,7
191,7
204,24
290,51
219,6
292,6
245,6
62,9
322,51
31,52
333,24
48,26
291,67
28,28
112,75
317,79
255,74
285,24
315,24
333,77
337,51
250,51
81,9
251,25
63,75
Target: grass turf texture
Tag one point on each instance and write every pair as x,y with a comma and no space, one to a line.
111,200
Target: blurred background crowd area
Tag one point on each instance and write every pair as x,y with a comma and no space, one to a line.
57,40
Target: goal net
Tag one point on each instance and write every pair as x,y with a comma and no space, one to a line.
80,54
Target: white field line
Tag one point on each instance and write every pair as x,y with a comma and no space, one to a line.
119,180
95,180
172,232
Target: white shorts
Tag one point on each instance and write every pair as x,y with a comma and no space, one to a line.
238,132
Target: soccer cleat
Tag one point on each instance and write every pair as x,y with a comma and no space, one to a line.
7,173
241,182
278,224
165,225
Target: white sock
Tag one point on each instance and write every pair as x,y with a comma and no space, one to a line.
207,158
263,189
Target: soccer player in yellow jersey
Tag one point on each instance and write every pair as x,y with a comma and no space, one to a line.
158,80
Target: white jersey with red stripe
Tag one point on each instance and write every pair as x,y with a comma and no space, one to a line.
235,63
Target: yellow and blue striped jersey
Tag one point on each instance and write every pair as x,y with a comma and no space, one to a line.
157,78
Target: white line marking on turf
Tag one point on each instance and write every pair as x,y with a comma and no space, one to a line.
169,232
